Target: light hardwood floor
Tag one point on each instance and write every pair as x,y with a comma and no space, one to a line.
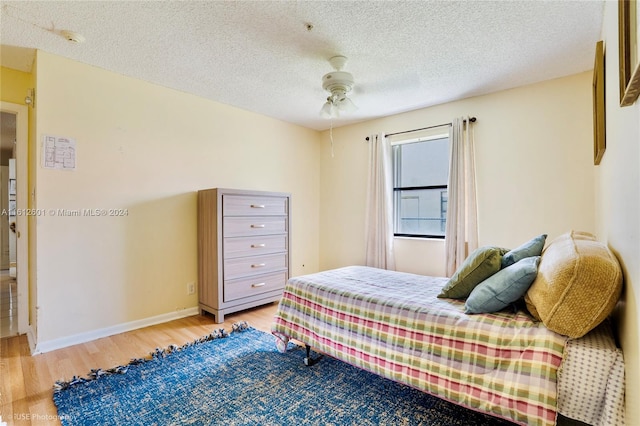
26,382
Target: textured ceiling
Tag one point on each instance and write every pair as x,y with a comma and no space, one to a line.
260,56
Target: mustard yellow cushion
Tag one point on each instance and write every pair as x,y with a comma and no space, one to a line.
578,284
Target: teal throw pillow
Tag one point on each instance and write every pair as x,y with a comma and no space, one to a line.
503,288
533,247
478,266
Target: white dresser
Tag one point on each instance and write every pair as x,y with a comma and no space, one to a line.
243,249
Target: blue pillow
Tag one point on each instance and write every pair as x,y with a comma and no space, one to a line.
503,288
533,247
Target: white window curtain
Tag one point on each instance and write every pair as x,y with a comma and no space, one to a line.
379,219
461,233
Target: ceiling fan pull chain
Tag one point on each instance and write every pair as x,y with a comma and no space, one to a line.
331,136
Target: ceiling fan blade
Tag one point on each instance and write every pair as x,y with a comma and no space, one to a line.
409,81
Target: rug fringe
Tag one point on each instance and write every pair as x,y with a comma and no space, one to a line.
158,353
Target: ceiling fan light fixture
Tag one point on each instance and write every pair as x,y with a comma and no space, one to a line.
347,105
338,83
328,110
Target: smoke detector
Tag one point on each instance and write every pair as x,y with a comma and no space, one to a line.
72,36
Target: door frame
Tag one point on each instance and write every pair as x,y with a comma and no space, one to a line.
22,204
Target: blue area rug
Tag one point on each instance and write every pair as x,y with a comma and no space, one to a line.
241,379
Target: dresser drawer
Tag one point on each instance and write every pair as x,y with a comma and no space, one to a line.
254,265
254,245
254,205
247,287
259,225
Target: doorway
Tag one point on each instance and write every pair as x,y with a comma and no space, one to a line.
14,283
8,283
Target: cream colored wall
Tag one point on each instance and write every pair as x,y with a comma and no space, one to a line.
534,171
618,206
148,149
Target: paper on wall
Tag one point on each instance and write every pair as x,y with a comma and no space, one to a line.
58,153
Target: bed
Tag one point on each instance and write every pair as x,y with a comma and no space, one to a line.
505,364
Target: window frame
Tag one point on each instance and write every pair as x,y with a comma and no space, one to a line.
396,190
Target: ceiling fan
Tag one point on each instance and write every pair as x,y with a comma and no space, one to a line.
338,83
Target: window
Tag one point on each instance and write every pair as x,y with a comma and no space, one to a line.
420,176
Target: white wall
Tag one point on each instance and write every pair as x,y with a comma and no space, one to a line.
618,206
148,149
533,158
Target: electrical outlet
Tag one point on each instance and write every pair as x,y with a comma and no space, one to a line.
191,288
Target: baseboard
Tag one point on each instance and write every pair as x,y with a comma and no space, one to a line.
63,342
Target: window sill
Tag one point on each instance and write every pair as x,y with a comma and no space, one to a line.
418,238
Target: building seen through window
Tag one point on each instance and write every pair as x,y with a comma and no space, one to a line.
420,197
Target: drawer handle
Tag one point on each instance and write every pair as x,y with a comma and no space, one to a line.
258,245
258,285
257,226
258,265
257,206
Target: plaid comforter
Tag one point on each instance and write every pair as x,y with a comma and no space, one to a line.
392,324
